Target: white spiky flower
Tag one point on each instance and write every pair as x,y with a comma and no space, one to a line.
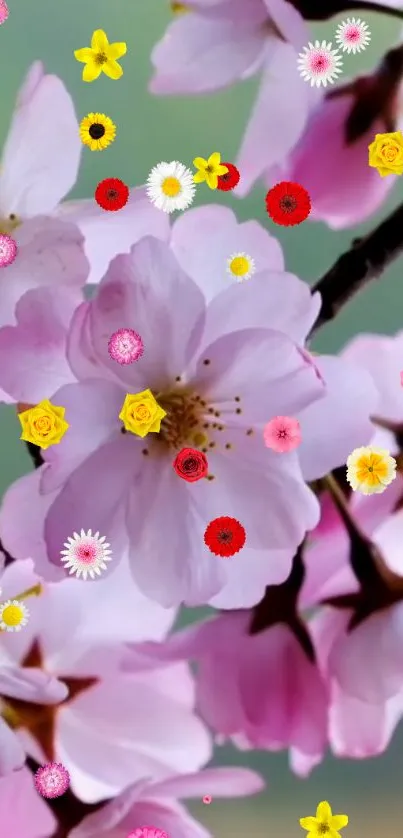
319,63
353,35
13,615
240,266
170,186
85,554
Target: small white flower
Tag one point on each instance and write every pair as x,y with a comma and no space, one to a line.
319,63
353,35
13,615
170,186
240,266
86,554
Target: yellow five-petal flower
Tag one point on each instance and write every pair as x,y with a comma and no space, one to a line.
209,170
325,824
44,424
101,57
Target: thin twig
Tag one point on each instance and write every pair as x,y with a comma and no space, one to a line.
366,260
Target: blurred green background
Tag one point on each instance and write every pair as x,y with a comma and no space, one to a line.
151,129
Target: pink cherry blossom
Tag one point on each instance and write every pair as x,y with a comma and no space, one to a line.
344,190
158,803
214,45
283,433
152,728
149,279
274,698
31,818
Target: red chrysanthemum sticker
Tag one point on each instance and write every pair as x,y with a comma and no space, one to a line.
191,464
112,194
288,203
230,180
225,536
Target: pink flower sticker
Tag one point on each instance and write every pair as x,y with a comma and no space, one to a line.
8,247
125,346
282,434
52,780
207,799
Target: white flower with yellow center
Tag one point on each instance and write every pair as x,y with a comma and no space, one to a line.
13,615
370,470
170,186
240,266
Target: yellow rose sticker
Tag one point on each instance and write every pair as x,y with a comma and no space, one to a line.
43,425
141,414
386,153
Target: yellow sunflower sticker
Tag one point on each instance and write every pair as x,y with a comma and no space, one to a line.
97,131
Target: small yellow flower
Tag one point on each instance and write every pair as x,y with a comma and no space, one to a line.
141,414
101,57
370,470
324,824
97,131
209,170
43,425
386,153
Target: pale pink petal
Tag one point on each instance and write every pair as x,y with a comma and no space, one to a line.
207,266
189,572
280,84
289,22
344,190
31,685
22,513
37,171
50,253
112,815
147,280
244,589
388,537
149,735
271,300
167,815
328,433
262,367
33,362
92,410
12,754
107,234
198,54
23,812
378,639
82,503
359,730
220,782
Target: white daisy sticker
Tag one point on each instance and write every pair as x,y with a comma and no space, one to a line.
13,615
353,35
170,186
319,64
240,266
85,554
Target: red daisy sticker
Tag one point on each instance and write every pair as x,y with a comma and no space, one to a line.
230,180
225,536
112,194
191,464
288,204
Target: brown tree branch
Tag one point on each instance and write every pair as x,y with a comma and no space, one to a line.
366,260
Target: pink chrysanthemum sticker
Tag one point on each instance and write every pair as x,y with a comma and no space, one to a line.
147,832
3,11
353,35
125,346
319,63
52,780
207,799
8,250
281,434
